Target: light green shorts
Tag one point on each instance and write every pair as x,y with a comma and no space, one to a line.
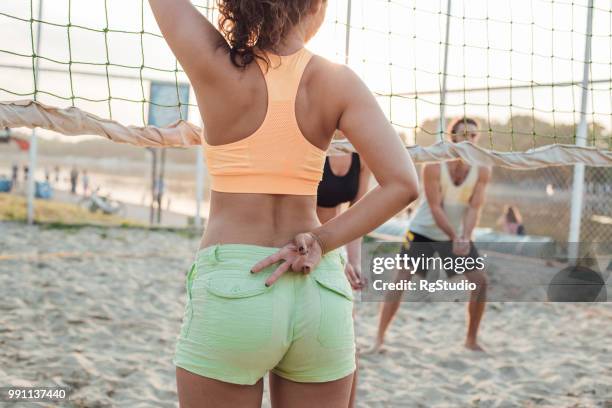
235,329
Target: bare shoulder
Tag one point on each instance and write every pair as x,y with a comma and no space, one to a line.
333,76
324,82
336,88
322,64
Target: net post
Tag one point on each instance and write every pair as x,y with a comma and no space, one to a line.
581,139
34,138
442,122
347,45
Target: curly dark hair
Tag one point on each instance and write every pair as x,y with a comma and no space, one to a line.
247,24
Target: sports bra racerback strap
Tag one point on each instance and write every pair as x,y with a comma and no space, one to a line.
284,74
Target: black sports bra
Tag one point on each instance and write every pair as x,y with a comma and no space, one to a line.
335,190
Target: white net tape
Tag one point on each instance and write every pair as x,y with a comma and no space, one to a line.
73,121
545,156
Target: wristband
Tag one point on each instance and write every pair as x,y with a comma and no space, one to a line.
319,241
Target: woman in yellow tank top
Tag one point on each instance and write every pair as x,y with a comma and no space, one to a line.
267,292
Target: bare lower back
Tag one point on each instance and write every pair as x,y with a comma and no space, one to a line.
258,219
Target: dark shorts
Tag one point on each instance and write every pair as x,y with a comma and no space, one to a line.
417,245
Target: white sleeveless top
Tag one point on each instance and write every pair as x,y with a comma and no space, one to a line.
455,201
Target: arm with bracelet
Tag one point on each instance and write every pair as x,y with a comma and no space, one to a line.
377,142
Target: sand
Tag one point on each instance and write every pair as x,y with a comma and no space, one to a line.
99,310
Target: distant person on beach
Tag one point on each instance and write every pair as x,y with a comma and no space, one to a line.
26,171
47,175
511,221
15,175
159,189
443,223
74,178
57,174
85,180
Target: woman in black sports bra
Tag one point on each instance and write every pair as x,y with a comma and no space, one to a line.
345,180
334,190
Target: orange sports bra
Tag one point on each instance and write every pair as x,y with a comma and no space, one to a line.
276,158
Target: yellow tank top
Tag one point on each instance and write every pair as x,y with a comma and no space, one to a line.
276,158
455,201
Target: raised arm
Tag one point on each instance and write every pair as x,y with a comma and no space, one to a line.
367,128
192,38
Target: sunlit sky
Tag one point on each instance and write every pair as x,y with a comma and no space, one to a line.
396,47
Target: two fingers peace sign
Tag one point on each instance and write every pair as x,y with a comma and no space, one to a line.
303,254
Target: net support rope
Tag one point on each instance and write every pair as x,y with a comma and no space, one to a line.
73,121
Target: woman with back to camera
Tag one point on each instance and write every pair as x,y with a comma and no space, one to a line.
267,292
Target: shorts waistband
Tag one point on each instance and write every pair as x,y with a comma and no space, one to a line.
246,254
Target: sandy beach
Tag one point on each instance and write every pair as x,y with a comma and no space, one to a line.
99,310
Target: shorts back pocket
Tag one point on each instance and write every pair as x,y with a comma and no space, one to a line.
232,312
336,328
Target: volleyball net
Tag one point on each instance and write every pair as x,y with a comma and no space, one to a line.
519,67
